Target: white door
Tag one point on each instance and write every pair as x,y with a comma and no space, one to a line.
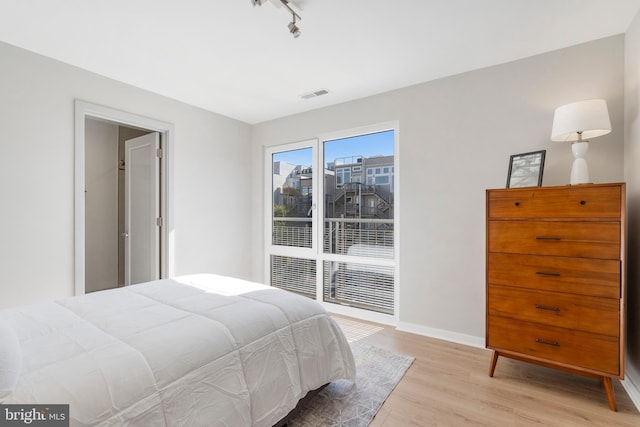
142,209
291,239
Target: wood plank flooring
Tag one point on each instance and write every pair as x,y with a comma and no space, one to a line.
448,385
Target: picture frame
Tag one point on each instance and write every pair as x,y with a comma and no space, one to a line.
525,169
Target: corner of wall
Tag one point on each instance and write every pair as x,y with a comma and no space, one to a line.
631,176
632,385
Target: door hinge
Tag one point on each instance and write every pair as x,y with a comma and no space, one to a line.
159,221
159,153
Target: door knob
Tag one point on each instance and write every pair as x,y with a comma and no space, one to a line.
125,235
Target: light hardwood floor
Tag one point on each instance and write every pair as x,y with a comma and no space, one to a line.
448,385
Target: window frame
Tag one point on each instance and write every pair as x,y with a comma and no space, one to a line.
317,252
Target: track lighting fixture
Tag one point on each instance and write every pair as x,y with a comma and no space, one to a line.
293,28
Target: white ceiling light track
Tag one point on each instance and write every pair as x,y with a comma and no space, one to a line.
291,7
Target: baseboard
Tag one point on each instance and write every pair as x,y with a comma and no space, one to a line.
631,384
441,334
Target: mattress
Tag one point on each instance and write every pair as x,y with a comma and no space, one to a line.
199,350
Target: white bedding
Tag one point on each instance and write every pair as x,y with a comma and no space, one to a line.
198,350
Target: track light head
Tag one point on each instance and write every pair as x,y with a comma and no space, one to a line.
293,28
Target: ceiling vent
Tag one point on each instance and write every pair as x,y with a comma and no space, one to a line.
314,94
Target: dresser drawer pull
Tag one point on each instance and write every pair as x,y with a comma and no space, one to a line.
545,273
553,343
547,238
542,307
517,203
583,202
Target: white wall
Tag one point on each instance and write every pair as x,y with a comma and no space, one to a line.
212,211
632,177
456,136
101,205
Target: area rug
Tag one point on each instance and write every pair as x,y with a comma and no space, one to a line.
343,404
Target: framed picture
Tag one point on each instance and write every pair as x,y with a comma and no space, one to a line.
525,170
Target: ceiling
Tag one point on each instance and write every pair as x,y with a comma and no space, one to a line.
241,61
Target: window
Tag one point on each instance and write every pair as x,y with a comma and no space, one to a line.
291,198
343,176
381,175
329,235
358,232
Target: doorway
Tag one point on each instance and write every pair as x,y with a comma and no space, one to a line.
123,182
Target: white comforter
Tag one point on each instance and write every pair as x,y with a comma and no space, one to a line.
191,351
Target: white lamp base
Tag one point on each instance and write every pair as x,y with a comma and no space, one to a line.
579,170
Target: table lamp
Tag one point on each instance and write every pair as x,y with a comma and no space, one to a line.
578,122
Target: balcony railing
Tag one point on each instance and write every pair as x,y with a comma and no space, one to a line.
290,231
371,237
359,236
361,283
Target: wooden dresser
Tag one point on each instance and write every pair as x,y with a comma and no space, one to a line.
556,278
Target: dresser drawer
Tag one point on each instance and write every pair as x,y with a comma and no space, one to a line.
584,276
577,348
558,202
583,313
562,238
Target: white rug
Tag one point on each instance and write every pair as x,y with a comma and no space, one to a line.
343,404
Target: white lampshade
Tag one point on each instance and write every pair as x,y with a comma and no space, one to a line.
581,120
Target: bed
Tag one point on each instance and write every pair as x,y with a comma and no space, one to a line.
199,350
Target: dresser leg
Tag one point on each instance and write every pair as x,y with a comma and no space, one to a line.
608,387
494,361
